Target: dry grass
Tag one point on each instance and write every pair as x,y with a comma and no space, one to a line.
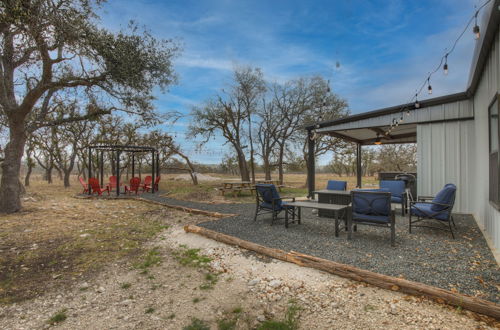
58,238
207,192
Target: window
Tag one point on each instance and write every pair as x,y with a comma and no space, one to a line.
493,123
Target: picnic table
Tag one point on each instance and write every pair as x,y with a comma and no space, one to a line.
274,182
236,187
334,208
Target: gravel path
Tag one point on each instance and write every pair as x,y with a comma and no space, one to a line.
465,264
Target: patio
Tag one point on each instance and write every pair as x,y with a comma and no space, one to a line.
465,264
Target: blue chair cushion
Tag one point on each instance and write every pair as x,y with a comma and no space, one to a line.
336,185
371,218
268,192
445,196
396,187
371,203
396,199
424,210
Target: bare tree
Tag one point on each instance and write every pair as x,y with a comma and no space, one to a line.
249,86
227,115
49,46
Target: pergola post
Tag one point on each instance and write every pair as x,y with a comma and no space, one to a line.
101,164
118,173
358,165
133,165
153,170
311,165
158,173
90,170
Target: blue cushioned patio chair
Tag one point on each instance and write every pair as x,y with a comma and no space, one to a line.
336,185
436,208
398,193
372,207
269,201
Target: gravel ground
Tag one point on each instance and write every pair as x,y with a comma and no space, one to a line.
465,264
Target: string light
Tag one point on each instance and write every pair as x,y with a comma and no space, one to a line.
476,29
443,63
377,141
445,66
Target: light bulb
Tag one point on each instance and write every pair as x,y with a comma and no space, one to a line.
476,29
407,112
429,89
445,68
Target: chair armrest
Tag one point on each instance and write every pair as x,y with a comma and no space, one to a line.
424,198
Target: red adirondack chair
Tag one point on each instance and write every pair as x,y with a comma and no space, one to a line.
112,182
96,187
147,183
135,184
84,185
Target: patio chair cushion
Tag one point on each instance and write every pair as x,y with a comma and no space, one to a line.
268,192
396,199
371,218
445,196
336,185
424,210
371,203
396,188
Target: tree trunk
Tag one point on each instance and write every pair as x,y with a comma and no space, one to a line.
10,187
267,167
48,174
28,175
66,178
280,163
242,163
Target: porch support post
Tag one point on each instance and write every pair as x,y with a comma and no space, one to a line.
311,166
358,165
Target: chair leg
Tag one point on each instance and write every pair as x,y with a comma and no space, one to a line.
393,231
453,221
409,220
256,213
403,209
451,230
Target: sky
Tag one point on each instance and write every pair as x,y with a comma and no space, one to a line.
385,48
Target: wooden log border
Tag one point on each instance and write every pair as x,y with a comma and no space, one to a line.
383,281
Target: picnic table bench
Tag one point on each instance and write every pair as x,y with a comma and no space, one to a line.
236,187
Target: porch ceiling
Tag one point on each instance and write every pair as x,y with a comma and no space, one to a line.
368,135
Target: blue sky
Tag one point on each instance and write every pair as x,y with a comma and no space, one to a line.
385,48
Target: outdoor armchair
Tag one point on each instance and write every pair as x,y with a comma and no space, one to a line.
135,184
372,207
397,190
84,185
436,208
268,200
96,187
336,185
147,183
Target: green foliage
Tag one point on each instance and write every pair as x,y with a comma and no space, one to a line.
291,321
58,317
125,285
226,324
149,310
152,258
197,324
191,257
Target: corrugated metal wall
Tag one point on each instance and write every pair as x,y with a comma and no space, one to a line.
487,216
458,152
445,154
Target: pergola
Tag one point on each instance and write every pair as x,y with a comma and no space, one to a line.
118,150
374,127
